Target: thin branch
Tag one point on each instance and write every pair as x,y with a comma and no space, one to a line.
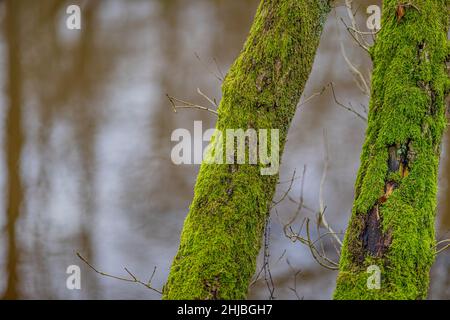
288,181
364,86
348,6
258,275
441,242
367,33
222,75
188,105
326,234
296,274
321,258
322,219
300,203
303,206
356,38
331,85
315,253
444,247
362,83
133,279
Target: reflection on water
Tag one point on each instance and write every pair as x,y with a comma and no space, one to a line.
96,175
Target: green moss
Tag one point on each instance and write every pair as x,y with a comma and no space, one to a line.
222,233
407,109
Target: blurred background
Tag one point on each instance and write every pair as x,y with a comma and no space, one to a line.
95,172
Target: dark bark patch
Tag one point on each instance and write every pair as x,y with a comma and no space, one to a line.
394,161
400,157
374,241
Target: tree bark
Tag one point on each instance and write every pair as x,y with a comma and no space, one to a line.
222,233
392,223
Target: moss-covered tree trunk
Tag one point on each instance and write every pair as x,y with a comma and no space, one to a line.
221,237
392,224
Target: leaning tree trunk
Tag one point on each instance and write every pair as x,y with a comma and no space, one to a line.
222,233
392,224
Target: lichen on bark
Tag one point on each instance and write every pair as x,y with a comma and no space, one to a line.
222,233
392,223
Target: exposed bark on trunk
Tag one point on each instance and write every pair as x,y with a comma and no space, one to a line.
222,234
392,224
14,142
85,127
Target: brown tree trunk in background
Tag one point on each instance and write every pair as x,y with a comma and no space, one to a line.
14,143
85,124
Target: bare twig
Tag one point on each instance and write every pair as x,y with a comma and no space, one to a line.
222,75
321,258
294,236
356,37
219,77
359,115
133,279
257,277
288,181
213,102
351,15
187,105
322,219
300,203
444,247
318,93
366,33
331,85
363,83
286,192
267,273
296,274
315,253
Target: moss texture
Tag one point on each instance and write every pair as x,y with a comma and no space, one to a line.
222,233
392,223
